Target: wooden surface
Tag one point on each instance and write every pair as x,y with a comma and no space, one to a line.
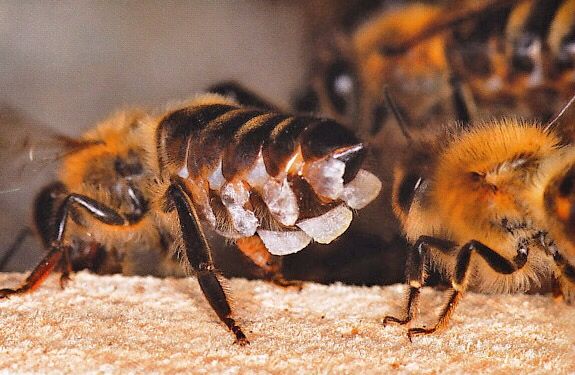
118,324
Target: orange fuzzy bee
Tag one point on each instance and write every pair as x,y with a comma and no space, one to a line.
488,205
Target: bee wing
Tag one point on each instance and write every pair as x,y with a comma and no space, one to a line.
29,148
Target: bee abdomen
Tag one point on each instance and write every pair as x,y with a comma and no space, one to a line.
176,129
288,179
216,135
241,154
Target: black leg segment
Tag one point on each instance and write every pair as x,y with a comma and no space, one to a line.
198,255
415,273
460,277
497,262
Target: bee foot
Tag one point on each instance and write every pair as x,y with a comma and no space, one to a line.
279,280
419,332
64,280
393,320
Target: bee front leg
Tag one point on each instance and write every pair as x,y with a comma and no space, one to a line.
57,250
38,275
566,276
415,274
460,280
198,256
565,271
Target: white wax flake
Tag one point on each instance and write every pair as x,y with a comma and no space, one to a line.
364,188
326,177
329,226
231,233
234,197
216,179
258,175
281,201
184,172
283,243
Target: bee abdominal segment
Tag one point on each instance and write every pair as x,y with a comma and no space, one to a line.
242,153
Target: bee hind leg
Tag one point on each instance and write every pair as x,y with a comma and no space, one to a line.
415,274
199,258
459,281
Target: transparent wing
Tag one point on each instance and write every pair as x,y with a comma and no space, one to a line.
29,148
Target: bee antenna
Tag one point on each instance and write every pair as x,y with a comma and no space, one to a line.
560,114
13,249
403,125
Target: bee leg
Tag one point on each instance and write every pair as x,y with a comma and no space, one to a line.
66,266
415,274
460,280
56,248
564,287
566,277
38,275
254,248
242,95
198,256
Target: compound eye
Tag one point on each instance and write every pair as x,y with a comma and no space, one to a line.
407,189
340,85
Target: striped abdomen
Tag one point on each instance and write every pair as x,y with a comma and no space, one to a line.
288,179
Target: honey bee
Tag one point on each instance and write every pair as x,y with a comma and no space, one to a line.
489,206
505,55
270,182
444,61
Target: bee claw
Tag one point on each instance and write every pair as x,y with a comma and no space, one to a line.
243,341
391,319
6,293
282,282
64,280
419,331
